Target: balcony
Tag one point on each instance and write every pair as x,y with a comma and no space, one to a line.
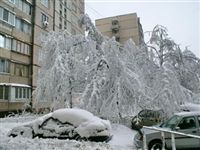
115,27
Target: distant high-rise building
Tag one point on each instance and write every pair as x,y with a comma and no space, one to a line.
123,27
22,22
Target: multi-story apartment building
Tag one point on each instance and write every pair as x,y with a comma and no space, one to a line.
123,27
22,23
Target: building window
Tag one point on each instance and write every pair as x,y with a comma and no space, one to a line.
45,3
8,43
24,6
60,19
44,18
21,70
5,42
14,45
60,26
19,4
18,46
7,16
1,92
4,92
21,47
25,29
4,66
22,92
1,12
27,8
17,23
23,26
2,41
65,3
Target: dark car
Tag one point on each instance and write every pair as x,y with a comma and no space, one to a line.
147,117
66,123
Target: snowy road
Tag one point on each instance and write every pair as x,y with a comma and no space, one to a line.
122,139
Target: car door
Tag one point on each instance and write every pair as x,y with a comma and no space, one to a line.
187,125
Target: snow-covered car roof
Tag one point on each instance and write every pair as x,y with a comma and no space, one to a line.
74,116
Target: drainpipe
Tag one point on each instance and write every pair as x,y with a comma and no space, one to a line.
54,11
33,41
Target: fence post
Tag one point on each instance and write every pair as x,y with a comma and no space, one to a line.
173,141
163,140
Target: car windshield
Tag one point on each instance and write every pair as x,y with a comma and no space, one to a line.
171,123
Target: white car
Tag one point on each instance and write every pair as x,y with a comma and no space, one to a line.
66,123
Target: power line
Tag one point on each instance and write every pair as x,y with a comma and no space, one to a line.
95,11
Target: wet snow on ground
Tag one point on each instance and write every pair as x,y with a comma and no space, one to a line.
122,138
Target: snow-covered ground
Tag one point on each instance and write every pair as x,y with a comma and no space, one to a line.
122,138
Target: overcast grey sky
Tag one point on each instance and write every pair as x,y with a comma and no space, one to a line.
181,17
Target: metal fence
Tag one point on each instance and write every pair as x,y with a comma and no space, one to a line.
163,131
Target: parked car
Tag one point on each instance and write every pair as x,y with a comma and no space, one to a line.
185,122
147,117
66,123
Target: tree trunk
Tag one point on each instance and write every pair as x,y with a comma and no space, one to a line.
70,92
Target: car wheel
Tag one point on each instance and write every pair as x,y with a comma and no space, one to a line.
156,145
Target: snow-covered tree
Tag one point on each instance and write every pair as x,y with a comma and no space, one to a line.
189,71
115,80
161,47
66,60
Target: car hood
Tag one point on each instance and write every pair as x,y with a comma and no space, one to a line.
149,131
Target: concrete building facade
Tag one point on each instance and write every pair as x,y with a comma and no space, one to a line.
123,27
22,23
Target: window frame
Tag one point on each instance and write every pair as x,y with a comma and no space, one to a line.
22,93
5,68
5,96
21,70
45,3
23,26
10,18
